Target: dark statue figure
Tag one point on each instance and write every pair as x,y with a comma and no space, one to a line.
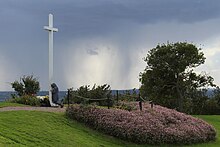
55,95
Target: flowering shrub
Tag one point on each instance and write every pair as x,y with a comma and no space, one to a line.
153,126
44,101
27,100
32,100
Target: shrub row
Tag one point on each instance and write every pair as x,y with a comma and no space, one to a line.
97,94
152,126
31,100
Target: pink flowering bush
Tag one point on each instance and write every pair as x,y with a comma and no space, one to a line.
152,126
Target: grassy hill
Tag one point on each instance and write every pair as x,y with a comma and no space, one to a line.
32,128
7,104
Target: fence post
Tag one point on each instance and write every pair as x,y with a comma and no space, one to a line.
117,96
151,104
108,100
68,97
140,102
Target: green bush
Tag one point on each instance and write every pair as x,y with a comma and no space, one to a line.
125,106
129,96
211,107
27,100
85,95
28,85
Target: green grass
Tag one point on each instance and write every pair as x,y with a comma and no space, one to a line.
215,121
7,104
33,128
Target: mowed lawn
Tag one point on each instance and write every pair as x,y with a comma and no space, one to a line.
215,121
33,128
7,104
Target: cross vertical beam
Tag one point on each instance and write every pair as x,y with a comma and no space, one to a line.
50,29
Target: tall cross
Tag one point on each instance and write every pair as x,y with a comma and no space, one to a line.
51,29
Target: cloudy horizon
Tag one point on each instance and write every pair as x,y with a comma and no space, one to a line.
101,42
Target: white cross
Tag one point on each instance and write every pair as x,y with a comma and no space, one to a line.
51,30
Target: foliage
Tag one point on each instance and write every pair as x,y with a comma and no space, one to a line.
202,103
196,102
31,100
125,106
216,95
169,78
18,87
152,126
85,95
212,104
211,107
82,91
129,96
27,100
28,85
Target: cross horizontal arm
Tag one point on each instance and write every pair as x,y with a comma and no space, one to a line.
50,29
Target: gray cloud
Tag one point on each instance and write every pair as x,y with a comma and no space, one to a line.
92,51
118,31
83,18
103,17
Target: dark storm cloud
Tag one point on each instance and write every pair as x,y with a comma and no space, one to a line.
101,17
83,17
23,41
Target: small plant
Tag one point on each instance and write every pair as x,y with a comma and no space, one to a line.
27,100
28,85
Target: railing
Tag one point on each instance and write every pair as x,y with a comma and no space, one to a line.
138,98
88,99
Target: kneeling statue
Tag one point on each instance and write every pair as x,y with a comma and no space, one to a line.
55,95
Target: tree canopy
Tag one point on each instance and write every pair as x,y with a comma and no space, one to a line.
169,77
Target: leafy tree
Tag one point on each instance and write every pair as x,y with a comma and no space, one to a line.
169,77
216,95
211,107
198,100
28,85
18,87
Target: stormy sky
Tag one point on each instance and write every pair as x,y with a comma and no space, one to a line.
101,41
